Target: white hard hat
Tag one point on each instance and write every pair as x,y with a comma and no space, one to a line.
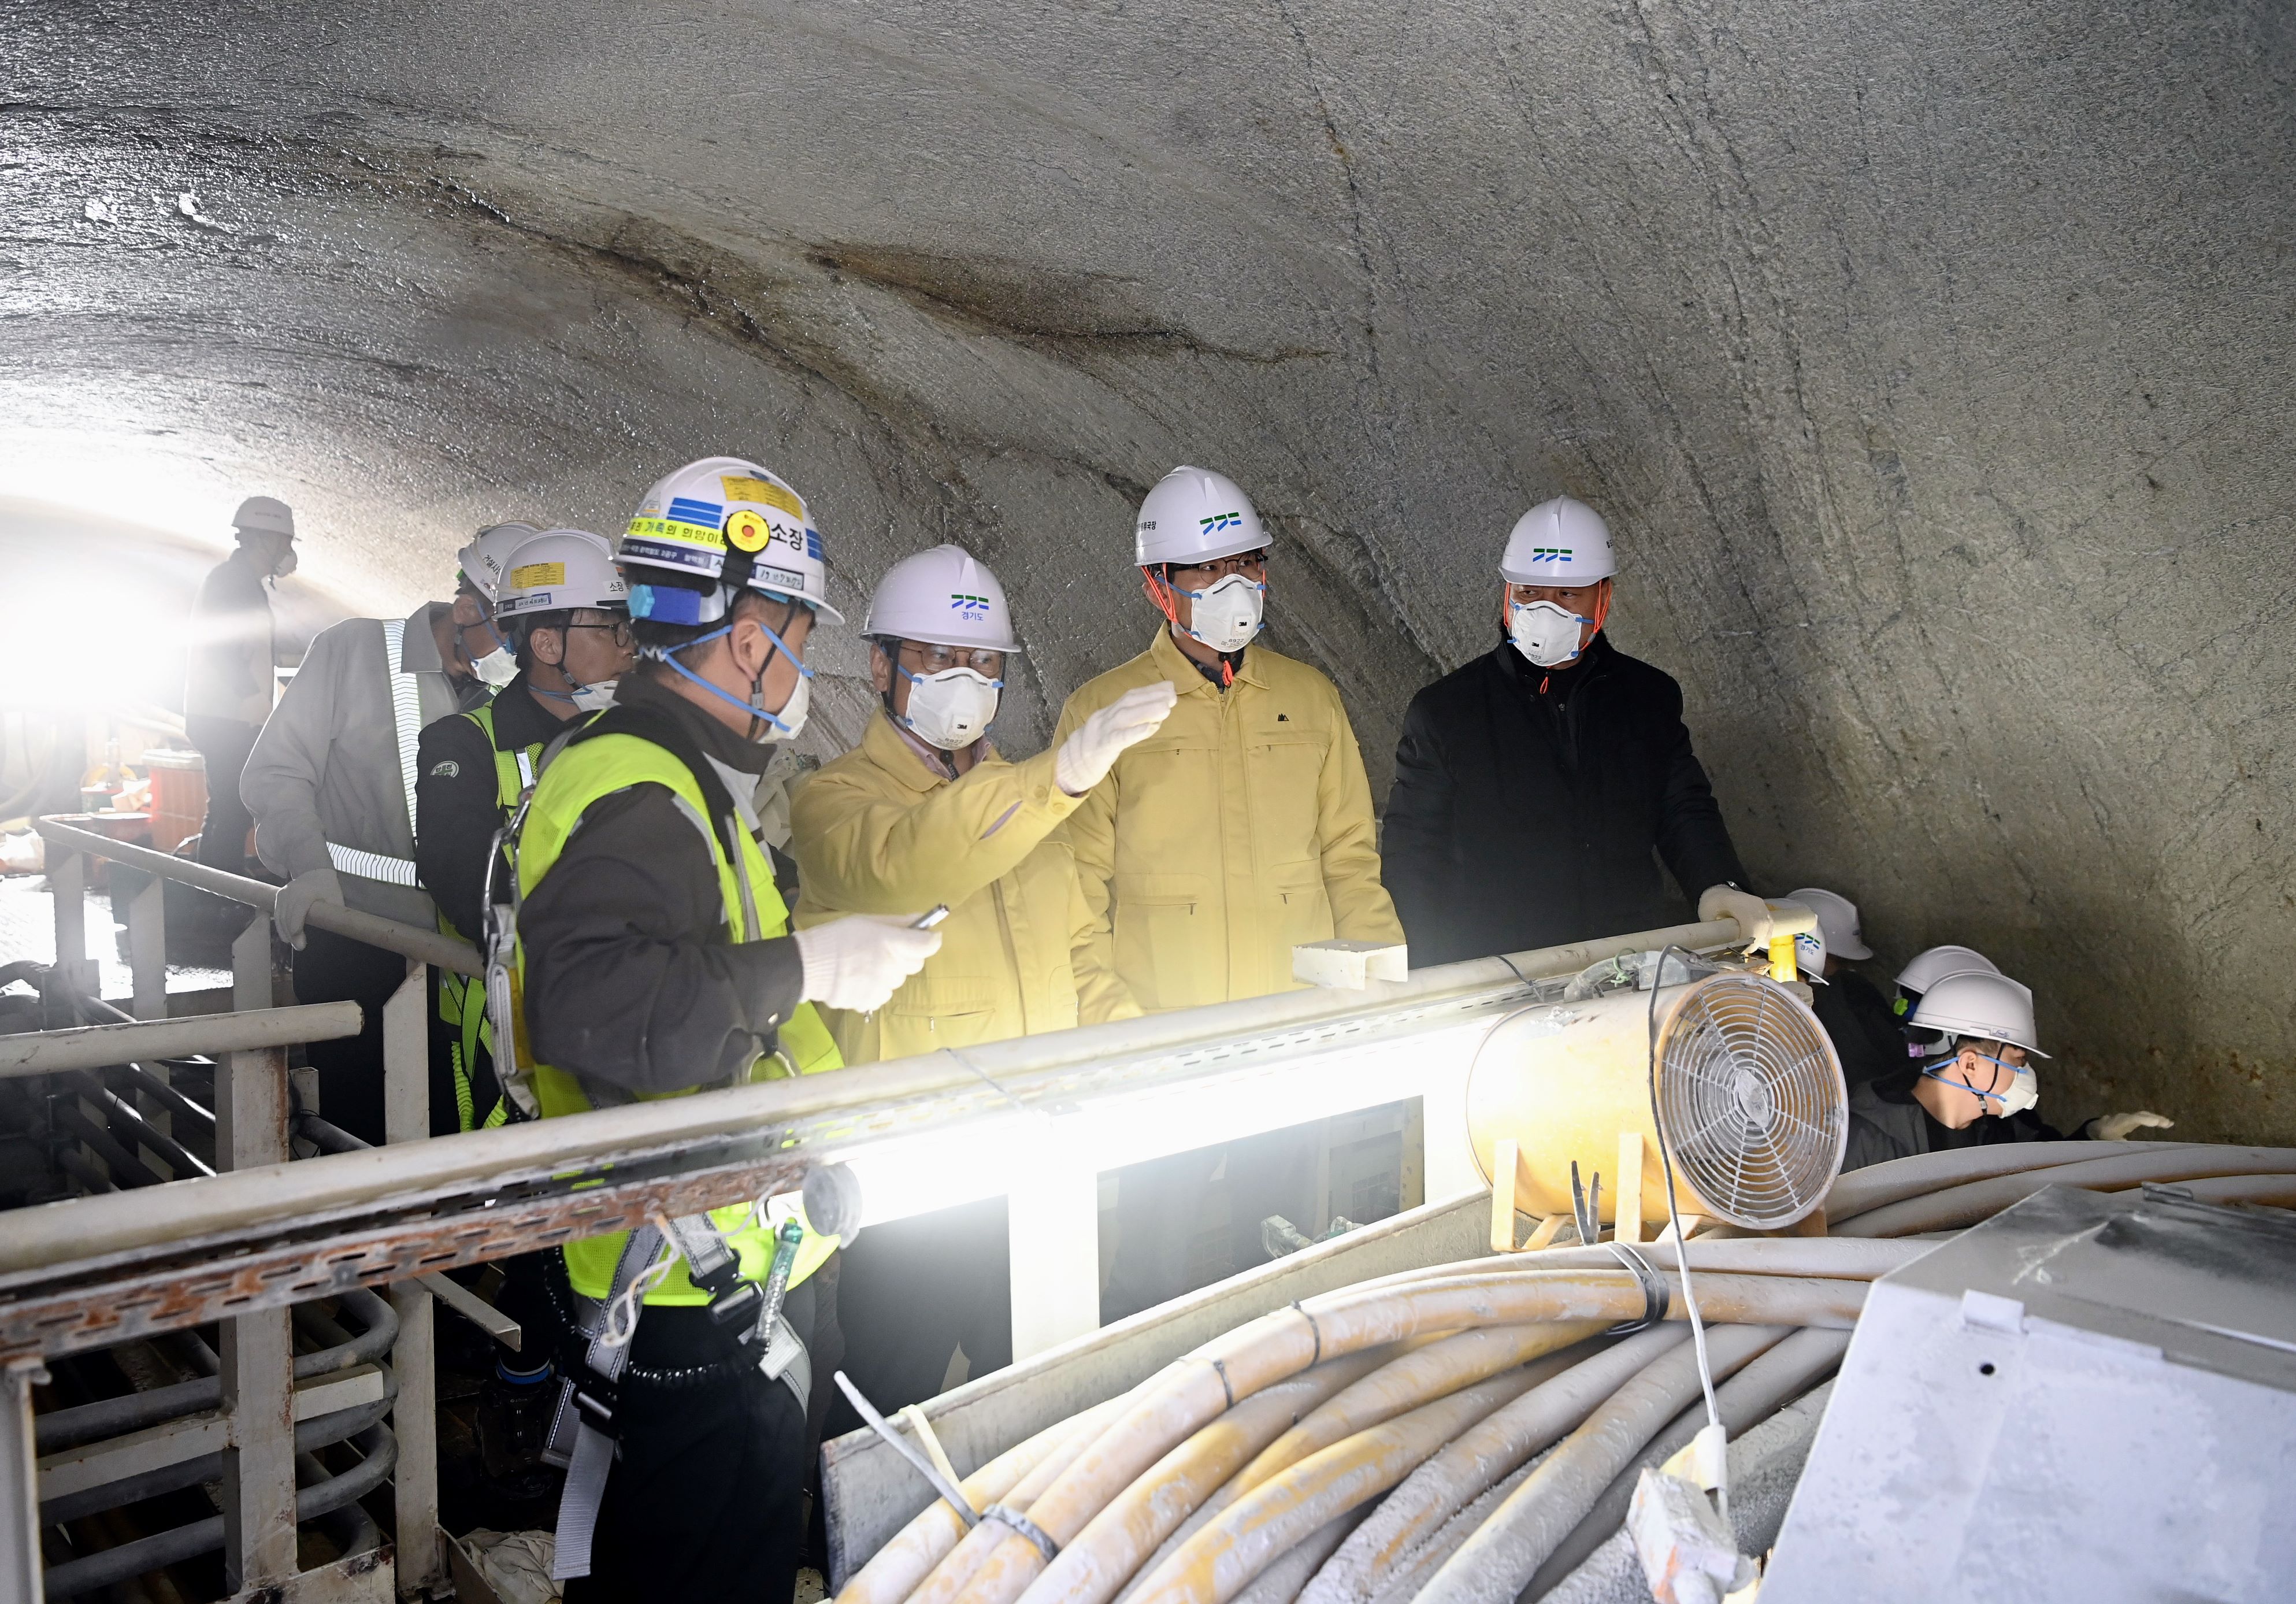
1977,1002
560,570
715,526
1194,515
264,514
1837,922
944,597
1559,542
484,559
1925,969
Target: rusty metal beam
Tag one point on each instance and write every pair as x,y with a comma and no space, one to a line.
214,1279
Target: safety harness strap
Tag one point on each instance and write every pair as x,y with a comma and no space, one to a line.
582,1432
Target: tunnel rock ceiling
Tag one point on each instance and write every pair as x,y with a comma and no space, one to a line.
1932,363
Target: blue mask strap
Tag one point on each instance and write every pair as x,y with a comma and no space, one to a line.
669,659
487,622
1197,595
1994,1097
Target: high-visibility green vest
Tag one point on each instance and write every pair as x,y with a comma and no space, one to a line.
581,773
463,997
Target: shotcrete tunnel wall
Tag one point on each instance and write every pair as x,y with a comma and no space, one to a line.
1932,362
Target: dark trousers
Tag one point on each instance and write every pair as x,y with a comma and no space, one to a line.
335,968
707,1498
910,1294
223,743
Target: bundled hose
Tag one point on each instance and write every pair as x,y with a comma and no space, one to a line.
1465,1432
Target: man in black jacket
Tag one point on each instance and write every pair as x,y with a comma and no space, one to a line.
562,602
1977,1087
1538,788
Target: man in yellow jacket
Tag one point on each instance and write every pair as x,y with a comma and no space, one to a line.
925,812
1241,830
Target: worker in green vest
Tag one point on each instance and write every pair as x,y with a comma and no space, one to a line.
653,959
561,602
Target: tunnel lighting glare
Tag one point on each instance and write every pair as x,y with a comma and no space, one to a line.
103,479
999,1152
90,650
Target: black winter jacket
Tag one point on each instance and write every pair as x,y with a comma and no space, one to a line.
1885,1122
458,801
630,978
1864,1032
1526,817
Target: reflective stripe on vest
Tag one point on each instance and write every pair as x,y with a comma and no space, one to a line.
577,775
371,866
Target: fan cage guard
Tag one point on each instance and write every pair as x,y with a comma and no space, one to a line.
1755,1111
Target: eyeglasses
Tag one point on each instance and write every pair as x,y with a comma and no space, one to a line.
619,631
1250,564
1568,595
937,658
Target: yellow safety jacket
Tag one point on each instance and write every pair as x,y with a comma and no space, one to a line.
582,772
878,831
463,997
1240,829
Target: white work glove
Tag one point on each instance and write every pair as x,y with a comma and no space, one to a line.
1728,903
859,963
2116,1127
1086,757
295,900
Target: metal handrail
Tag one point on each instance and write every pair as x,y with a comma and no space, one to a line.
100,1046
409,941
85,1229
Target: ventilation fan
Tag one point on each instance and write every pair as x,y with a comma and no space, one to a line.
1755,1111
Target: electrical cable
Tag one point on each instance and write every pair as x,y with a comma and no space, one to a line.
986,1079
1674,1216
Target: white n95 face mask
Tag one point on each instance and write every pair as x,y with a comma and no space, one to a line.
951,710
1227,616
1543,632
498,667
789,723
595,697
2024,1093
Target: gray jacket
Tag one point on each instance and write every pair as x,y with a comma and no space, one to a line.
326,772
227,674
